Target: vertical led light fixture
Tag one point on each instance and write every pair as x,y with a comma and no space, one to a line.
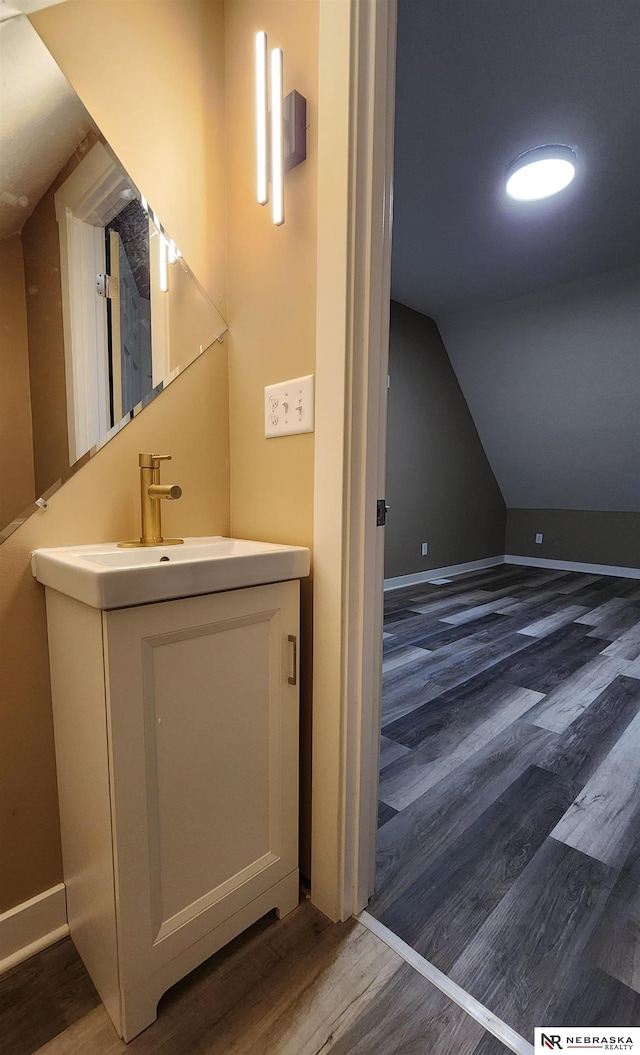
277,138
281,134
262,186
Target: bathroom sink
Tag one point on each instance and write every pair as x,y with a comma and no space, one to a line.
105,576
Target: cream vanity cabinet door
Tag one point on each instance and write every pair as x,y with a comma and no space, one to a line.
202,736
202,712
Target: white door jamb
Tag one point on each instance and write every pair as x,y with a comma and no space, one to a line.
355,157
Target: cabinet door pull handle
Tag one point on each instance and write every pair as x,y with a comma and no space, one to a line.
294,641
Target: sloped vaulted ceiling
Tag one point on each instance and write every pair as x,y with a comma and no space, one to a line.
40,125
553,384
538,303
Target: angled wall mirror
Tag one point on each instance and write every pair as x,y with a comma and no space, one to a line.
98,309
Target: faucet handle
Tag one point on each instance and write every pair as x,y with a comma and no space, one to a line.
150,461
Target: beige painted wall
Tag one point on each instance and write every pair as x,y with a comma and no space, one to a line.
151,74
163,81
16,442
272,305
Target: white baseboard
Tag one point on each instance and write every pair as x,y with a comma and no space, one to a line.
32,926
438,573
510,558
573,565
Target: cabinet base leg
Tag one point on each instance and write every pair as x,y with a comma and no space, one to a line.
289,895
139,1011
140,1004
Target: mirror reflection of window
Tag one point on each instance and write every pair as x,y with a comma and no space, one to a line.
129,310
94,193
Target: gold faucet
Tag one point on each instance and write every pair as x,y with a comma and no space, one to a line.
151,494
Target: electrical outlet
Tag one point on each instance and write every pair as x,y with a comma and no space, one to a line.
288,407
539,537
425,548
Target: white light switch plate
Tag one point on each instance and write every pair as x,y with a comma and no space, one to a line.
288,407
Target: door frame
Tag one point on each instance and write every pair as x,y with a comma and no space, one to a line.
355,161
84,204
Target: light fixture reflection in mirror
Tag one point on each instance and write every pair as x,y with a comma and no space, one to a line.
98,309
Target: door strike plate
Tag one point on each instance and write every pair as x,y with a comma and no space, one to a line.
381,512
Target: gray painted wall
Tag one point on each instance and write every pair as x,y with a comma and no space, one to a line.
569,534
440,486
553,383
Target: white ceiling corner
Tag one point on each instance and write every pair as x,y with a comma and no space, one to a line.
11,8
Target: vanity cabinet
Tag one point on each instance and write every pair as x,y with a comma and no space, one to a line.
176,729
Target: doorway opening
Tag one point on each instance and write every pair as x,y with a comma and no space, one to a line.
509,783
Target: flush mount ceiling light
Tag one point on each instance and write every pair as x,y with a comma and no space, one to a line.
541,172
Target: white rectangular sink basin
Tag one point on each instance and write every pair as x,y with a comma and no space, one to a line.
106,576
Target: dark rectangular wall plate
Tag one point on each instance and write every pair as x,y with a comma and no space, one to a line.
295,129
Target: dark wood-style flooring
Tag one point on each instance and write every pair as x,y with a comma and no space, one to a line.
509,838
297,986
509,851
